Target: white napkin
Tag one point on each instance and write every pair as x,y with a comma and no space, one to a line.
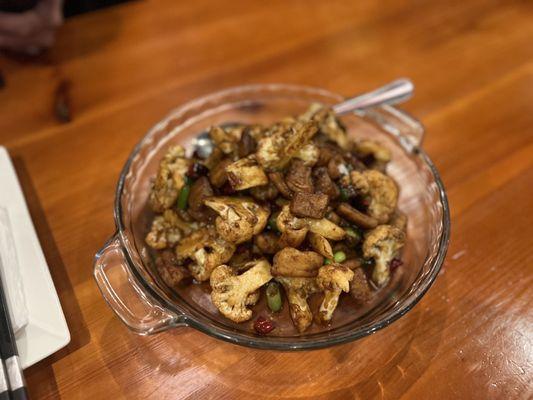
11,277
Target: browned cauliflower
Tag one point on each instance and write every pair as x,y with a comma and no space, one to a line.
325,228
320,244
328,124
333,279
206,250
215,252
239,217
309,154
232,294
226,139
295,263
380,153
193,242
382,191
382,244
275,151
296,228
170,179
167,229
246,173
293,229
298,291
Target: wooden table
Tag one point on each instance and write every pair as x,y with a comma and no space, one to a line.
122,69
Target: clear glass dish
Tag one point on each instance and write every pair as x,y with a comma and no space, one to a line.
123,269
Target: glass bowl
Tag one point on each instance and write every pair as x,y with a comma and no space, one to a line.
123,269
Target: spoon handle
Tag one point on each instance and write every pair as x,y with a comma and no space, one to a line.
395,92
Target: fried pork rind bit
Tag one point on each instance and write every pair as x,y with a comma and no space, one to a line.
357,217
239,217
232,294
275,151
298,291
359,287
266,242
170,179
382,191
173,276
328,124
324,183
312,205
167,229
246,173
380,153
299,178
383,244
295,263
264,193
200,190
276,178
333,279
169,270
227,138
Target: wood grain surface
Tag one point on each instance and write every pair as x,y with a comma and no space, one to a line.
71,117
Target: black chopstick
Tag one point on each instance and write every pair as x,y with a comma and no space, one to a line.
9,353
4,385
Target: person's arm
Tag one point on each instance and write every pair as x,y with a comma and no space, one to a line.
33,30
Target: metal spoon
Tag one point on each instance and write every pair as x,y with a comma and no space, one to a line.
395,92
392,93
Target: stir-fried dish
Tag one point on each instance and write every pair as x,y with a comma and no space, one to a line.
285,211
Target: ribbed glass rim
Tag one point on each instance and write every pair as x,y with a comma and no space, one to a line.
282,343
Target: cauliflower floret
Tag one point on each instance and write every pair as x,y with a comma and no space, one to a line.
167,229
216,252
170,179
298,291
380,153
275,151
309,154
333,279
232,294
325,228
206,250
226,139
294,229
295,263
239,218
382,244
328,124
192,243
246,173
382,191
320,244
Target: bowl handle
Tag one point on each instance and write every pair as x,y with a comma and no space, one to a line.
136,308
